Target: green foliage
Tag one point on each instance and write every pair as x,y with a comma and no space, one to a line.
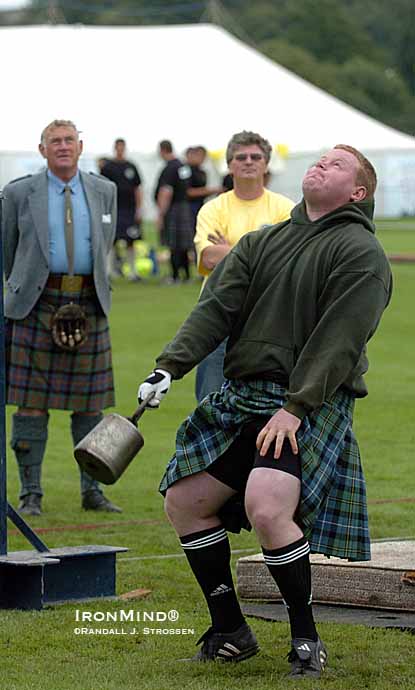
364,56
378,92
326,30
392,26
296,59
367,86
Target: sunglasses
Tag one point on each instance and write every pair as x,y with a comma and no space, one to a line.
244,156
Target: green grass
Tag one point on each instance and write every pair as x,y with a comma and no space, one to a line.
40,650
394,224
397,236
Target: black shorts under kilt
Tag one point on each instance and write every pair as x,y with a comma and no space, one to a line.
41,375
234,466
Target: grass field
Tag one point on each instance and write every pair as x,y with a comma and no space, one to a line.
397,236
40,650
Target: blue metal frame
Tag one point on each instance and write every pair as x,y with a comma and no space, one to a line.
27,531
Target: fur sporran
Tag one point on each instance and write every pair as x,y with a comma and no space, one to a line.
69,327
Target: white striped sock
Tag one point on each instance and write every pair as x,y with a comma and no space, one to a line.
289,557
207,540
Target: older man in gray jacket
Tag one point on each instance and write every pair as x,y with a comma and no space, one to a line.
58,227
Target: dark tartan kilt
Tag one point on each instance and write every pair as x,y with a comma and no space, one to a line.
41,375
178,230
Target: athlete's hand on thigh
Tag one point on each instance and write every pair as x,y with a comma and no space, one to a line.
282,425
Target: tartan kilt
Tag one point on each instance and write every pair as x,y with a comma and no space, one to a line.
332,511
41,375
178,230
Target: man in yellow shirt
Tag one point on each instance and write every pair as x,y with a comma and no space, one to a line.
222,221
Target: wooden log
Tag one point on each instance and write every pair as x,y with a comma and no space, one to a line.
387,581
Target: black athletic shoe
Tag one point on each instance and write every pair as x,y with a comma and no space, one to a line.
307,658
95,500
234,646
30,505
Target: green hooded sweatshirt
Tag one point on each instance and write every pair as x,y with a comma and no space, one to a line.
299,301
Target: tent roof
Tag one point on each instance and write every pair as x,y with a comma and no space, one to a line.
193,84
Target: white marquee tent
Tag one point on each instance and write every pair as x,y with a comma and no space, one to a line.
193,84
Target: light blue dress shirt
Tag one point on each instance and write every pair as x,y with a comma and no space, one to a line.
58,260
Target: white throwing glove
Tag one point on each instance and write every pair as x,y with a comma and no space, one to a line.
158,383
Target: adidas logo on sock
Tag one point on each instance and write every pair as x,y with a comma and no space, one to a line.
222,589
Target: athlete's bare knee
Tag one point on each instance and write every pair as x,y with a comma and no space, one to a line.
264,514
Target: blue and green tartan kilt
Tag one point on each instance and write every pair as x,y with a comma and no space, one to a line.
41,375
333,508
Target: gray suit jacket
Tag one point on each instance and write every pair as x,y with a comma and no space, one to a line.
26,239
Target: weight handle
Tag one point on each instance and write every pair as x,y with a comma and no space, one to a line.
140,409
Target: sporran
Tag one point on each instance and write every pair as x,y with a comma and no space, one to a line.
69,327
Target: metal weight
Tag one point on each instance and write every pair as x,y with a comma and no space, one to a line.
111,445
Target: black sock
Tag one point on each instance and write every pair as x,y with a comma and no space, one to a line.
185,264
290,568
209,556
175,264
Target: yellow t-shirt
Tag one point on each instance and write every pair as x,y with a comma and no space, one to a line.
234,217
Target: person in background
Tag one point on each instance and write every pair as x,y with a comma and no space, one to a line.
58,229
227,182
129,206
198,190
174,217
299,301
100,163
222,221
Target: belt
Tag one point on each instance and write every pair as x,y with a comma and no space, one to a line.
67,283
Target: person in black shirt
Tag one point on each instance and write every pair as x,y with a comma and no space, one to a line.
129,202
227,182
198,190
174,219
